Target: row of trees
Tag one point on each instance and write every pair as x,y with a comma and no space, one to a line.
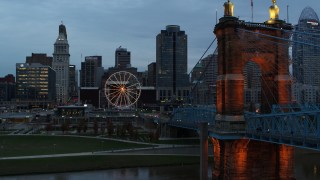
126,129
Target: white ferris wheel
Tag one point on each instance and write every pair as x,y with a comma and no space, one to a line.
122,89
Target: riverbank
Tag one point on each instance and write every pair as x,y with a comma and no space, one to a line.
90,162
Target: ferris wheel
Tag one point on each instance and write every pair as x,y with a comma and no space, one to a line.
122,89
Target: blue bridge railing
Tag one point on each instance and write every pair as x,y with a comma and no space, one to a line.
190,117
300,129
299,126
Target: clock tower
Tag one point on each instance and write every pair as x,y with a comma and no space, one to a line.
61,62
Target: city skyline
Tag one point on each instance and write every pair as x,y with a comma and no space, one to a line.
98,27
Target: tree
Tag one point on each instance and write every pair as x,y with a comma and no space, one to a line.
123,130
110,128
129,128
79,128
118,130
85,127
49,127
65,127
95,127
103,128
135,134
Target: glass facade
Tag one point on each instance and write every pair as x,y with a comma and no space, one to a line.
306,58
203,78
91,73
35,82
172,80
122,58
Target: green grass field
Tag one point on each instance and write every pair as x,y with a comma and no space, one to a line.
11,146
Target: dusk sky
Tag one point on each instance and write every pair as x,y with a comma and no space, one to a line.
98,27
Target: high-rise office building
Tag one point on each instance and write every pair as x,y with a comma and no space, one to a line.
252,86
203,79
91,72
35,84
122,58
172,81
61,61
7,87
151,81
41,58
306,57
73,85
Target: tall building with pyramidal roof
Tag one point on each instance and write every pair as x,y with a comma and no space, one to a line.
61,62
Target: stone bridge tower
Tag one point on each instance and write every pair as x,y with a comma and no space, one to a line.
235,49
265,44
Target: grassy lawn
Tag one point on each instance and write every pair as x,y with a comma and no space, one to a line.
93,162
40,145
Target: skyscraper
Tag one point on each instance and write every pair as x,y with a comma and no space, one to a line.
203,78
91,71
171,58
39,58
152,74
73,85
306,56
7,87
61,60
122,58
35,84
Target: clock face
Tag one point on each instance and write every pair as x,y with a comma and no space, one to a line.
21,65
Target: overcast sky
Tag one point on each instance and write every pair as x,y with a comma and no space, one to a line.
98,27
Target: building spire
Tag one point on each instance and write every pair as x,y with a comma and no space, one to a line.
63,30
228,8
274,13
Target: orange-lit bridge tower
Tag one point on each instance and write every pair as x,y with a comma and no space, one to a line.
235,50
245,159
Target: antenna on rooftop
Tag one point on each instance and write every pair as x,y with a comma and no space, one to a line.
216,16
251,10
287,13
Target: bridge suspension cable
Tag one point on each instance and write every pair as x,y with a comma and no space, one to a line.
279,38
273,42
205,52
199,79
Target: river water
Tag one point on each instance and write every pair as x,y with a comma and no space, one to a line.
307,167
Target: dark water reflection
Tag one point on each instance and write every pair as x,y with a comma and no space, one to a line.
307,165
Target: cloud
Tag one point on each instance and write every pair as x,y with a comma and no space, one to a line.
98,27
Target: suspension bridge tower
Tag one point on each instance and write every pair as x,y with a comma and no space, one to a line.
240,42
266,45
